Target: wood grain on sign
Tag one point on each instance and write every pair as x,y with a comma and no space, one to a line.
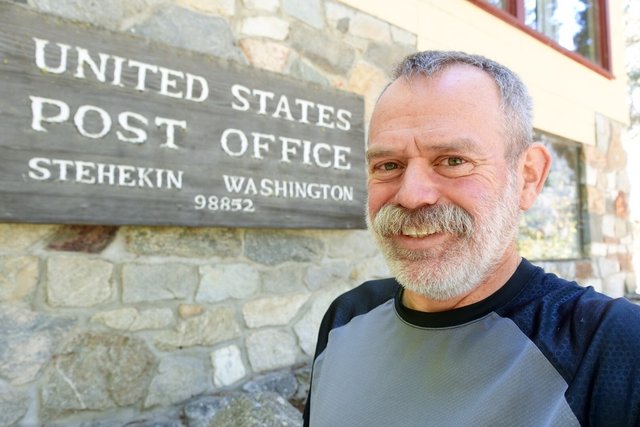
98,127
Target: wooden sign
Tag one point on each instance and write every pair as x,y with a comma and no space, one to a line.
98,127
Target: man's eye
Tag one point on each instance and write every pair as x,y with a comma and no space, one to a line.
454,161
389,166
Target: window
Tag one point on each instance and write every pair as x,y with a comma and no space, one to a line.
577,28
552,228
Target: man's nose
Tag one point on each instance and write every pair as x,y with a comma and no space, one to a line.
419,187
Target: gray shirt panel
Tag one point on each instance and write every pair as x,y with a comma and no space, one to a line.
378,370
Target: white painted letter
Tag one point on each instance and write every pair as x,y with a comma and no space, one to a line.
263,95
171,126
323,116
167,82
140,134
339,157
37,118
204,88
142,72
40,56
316,154
225,143
258,147
343,118
83,57
283,106
35,165
236,91
78,119
117,71
304,109
286,149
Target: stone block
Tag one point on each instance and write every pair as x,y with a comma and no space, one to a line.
607,266
590,175
211,7
178,378
108,14
563,269
307,328
609,226
595,201
158,282
242,409
273,311
328,274
210,328
387,56
186,29
621,206
624,184
282,382
327,51
621,228
266,5
616,155
132,319
283,279
336,11
404,37
275,247
94,372
300,70
368,81
271,349
27,341
20,237
13,406
350,244
265,26
183,242
266,54
594,282
373,268
584,270
91,239
18,277
614,285
368,27
189,310
309,11
227,281
228,367
78,281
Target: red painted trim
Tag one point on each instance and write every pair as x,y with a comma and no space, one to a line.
603,33
603,69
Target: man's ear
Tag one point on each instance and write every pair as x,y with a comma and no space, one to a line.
536,162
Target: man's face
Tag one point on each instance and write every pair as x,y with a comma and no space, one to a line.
443,201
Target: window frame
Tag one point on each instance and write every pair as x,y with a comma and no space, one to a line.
514,15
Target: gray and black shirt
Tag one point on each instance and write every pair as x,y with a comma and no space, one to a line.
540,351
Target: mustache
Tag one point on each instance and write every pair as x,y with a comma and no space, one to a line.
448,218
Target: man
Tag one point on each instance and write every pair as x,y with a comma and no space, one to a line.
468,332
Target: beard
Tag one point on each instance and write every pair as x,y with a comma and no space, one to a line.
456,268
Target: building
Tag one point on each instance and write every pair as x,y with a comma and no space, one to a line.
127,322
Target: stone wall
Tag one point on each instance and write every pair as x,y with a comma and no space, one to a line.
632,134
144,324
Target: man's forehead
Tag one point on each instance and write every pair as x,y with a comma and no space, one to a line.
459,145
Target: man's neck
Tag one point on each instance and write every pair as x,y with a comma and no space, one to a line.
494,281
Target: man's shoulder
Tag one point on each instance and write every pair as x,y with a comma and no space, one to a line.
362,299
355,302
550,294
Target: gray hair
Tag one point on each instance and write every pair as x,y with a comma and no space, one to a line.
516,103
